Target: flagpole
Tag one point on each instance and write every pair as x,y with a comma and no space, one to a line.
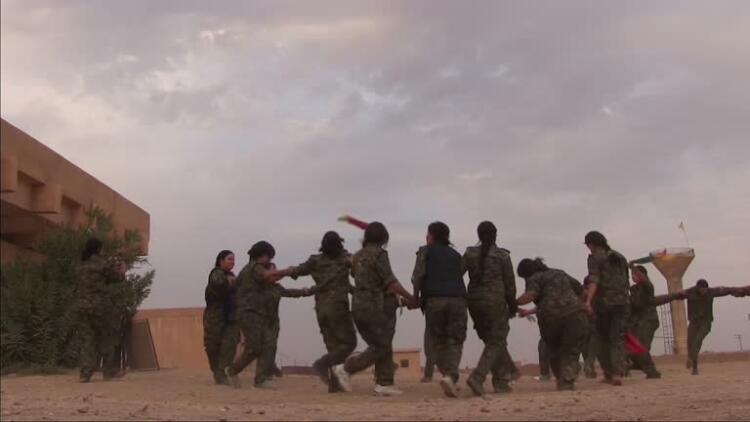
684,233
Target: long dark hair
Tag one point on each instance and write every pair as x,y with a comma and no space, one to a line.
220,257
332,245
92,247
375,234
262,248
440,232
528,267
595,238
487,233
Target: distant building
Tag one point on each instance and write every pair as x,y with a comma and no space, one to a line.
408,361
39,189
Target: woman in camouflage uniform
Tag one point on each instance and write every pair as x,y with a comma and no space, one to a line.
330,270
608,299
492,301
374,303
643,320
219,327
563,323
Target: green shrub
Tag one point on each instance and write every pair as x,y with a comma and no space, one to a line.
37,321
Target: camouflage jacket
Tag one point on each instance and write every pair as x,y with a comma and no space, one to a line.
557,294
220,293
612,286
372,274
95,290
278,291
643,302
331,276
498,282
253,293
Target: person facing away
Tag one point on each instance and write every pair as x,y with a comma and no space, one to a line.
256,312
563,323
590,346
608,299
438,281
643,320
492,301
219,343
330,271
700,301
97,318
277,292
376,297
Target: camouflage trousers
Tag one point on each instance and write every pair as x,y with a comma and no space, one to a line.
491,323
644,331
590,347
99,335
446,321
377,327
610,323
429,353
259,334
564,338
337,327
543,351
220,338
697,332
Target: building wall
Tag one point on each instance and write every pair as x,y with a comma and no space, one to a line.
40,189
411,358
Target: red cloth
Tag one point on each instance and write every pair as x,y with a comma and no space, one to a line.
354,222
633,346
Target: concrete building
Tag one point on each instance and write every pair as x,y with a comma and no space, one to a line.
40,189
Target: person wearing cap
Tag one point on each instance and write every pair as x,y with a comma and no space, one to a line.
700,304
330,272
608,298
255,312
438,281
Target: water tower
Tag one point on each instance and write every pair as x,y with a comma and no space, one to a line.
672,264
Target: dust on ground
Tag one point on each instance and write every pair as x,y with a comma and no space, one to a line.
720,392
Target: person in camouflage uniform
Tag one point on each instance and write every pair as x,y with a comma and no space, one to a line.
216,317
590,346
544,360
330,270
376,297
277,292
438,281
563,323
256,306
429,354
492,301
97,316
608,298
643,320
701,313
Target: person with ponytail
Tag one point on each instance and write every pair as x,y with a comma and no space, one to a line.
608,298
492,301
97,319
219,329
376,297
330,271
563,322
438,281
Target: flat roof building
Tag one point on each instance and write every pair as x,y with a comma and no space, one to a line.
40,189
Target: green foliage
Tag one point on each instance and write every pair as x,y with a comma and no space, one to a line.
38,319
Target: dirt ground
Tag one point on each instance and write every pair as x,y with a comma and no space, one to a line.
721,392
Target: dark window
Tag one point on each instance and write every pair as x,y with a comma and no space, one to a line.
404,363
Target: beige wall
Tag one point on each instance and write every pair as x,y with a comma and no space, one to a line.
177,336
413,356
40,189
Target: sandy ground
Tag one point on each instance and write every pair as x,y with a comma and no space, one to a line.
721,392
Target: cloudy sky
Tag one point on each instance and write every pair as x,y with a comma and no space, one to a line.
232,122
